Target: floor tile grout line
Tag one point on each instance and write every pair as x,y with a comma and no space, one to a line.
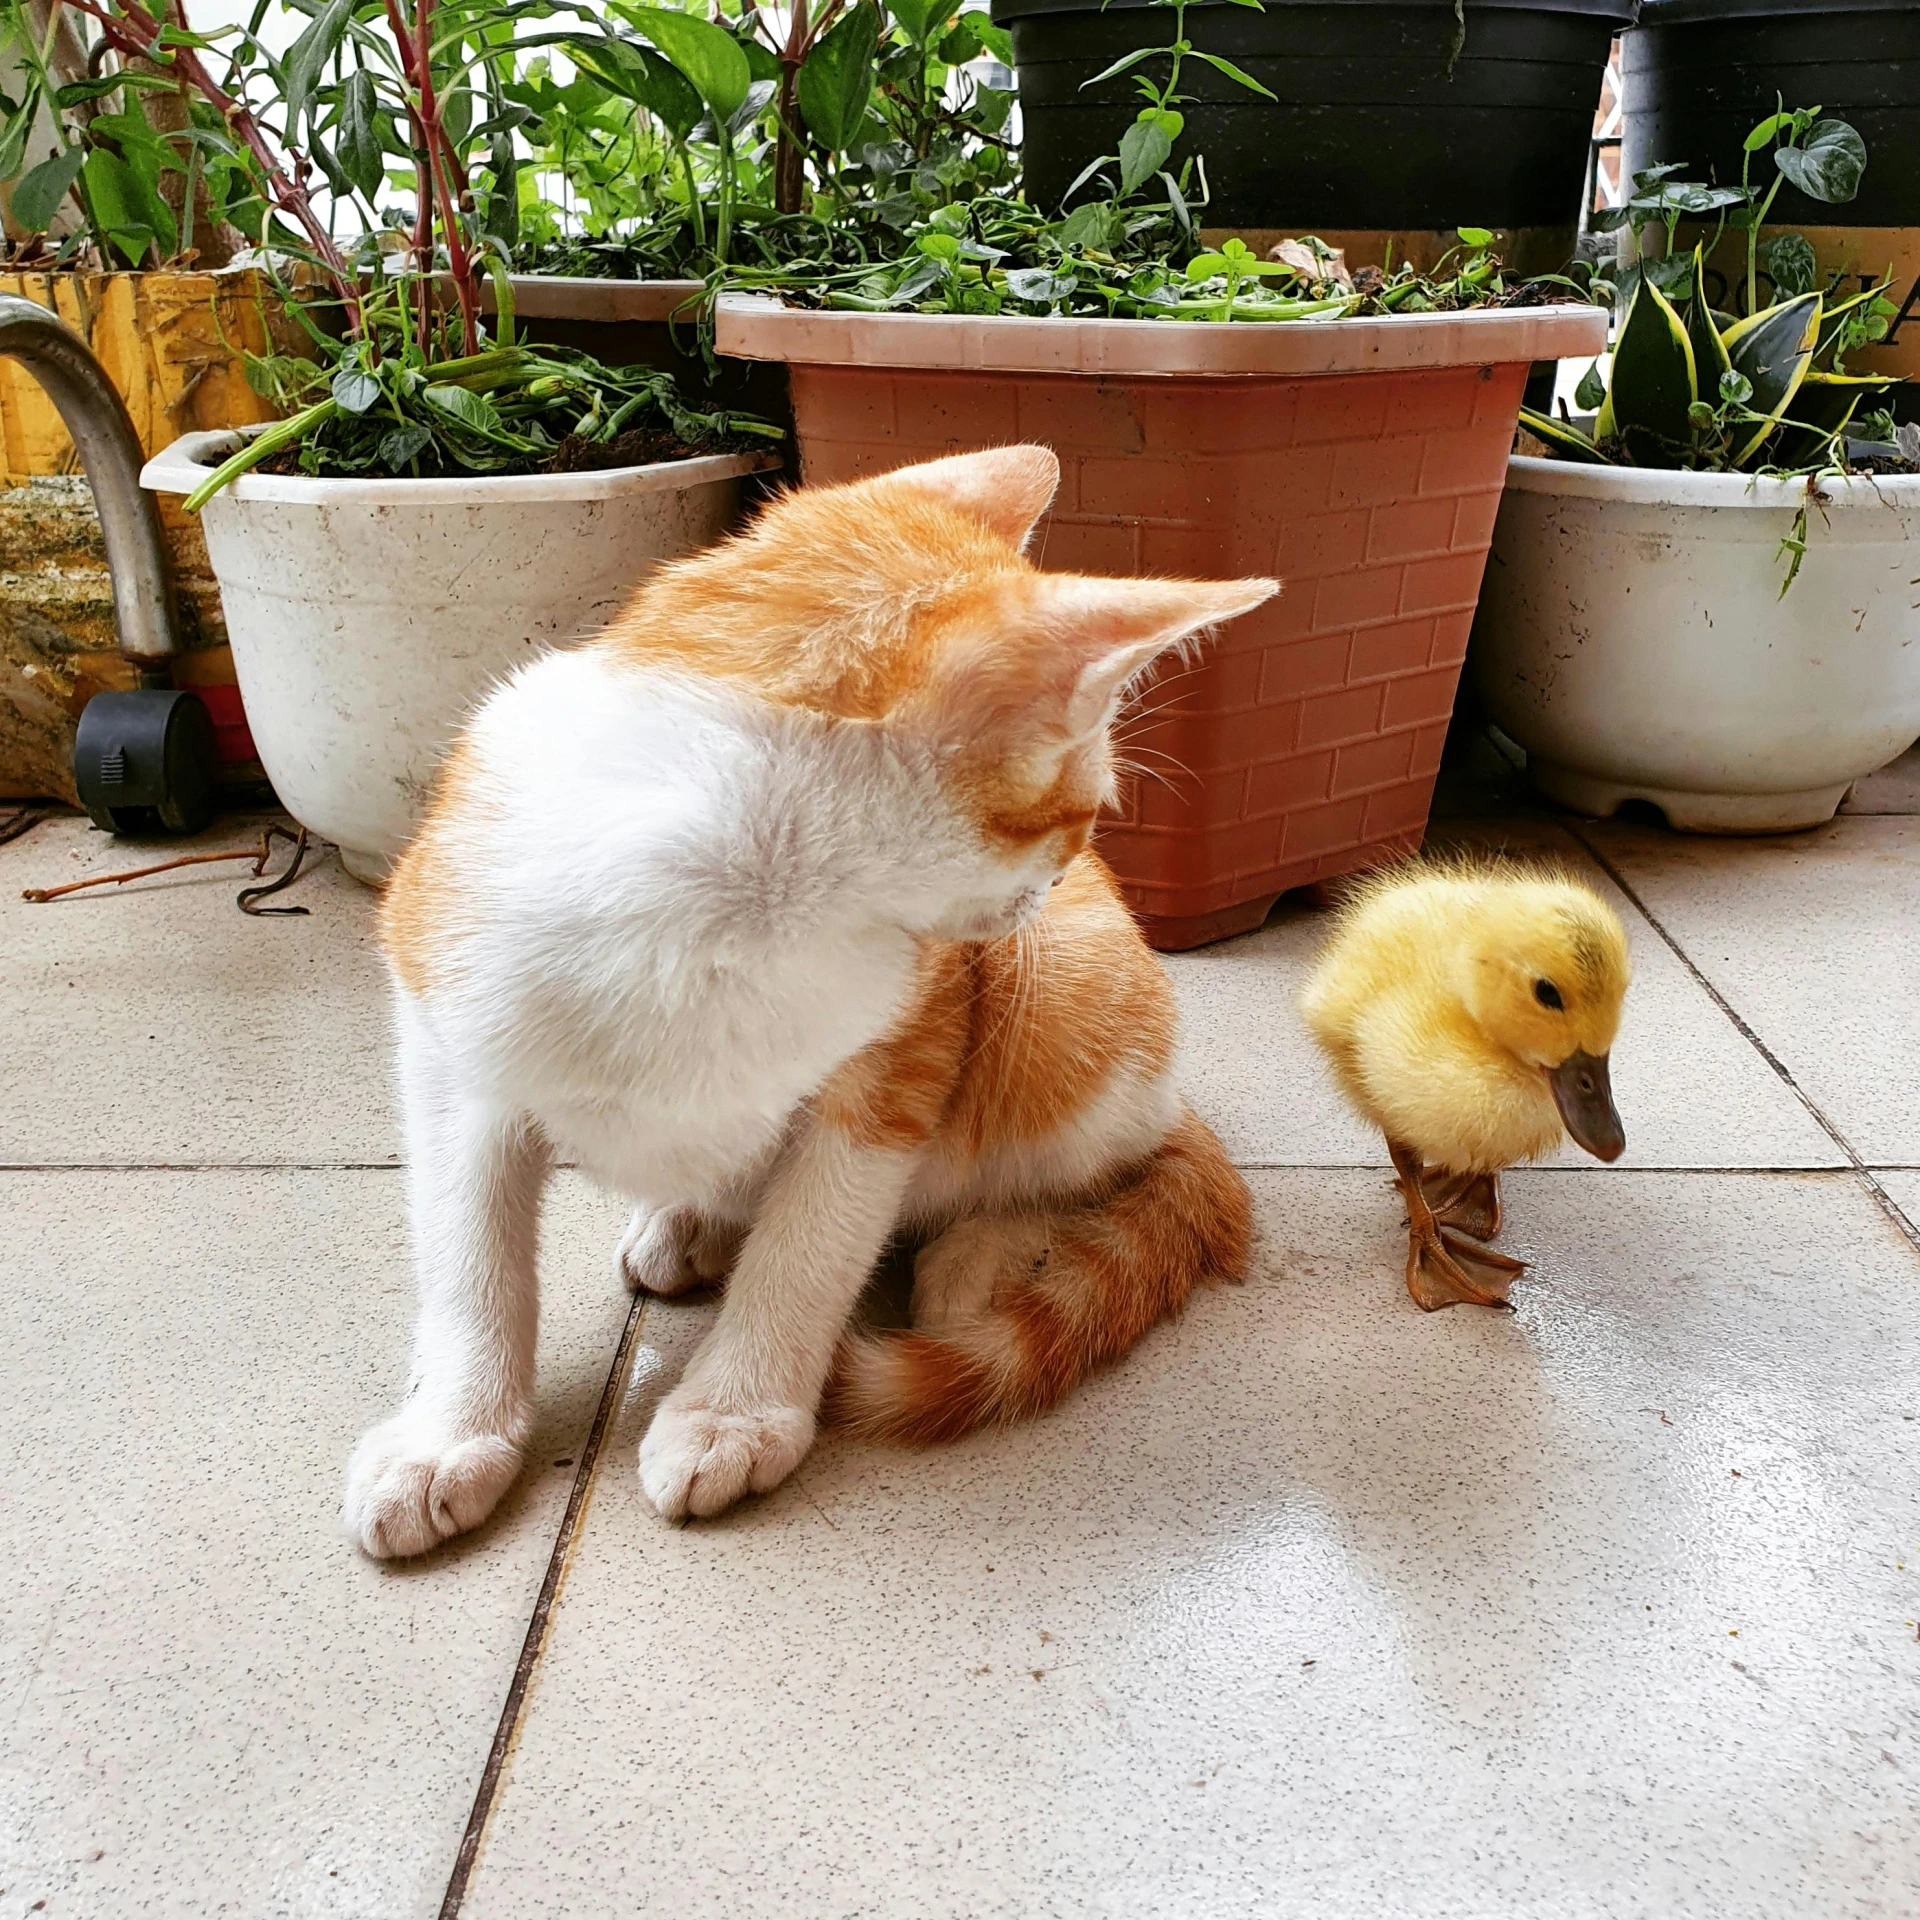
1881,1197
534,1644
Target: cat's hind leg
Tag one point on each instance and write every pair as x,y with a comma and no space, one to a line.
670,1250
475,1175
954,1276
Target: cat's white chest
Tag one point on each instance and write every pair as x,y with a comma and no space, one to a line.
685,928
669,1097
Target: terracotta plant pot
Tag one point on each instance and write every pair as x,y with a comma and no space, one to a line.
1361,461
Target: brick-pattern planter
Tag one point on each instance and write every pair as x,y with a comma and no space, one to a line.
1361,462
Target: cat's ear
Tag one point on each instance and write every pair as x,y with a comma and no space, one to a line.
1110,630
1008,488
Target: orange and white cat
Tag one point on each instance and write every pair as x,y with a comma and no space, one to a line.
772,907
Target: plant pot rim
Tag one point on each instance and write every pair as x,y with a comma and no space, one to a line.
559,296
760,327
1658,487
180,467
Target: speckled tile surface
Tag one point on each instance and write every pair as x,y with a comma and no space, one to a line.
1315,1606
211,1703
156,1024
1602,1611
1812,939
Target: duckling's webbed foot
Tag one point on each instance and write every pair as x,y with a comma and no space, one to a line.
1445,1268
1469,1201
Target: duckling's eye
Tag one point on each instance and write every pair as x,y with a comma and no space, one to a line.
1548,995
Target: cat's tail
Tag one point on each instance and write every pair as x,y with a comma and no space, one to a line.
1071,1290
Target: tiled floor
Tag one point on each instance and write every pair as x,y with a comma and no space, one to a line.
1316,1606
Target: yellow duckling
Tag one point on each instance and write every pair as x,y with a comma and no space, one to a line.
1468,1010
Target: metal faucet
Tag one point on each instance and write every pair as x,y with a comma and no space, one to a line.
97,418
144,759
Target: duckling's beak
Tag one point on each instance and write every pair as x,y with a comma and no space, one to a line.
1583,1092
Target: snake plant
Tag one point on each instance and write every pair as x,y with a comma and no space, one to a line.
1694,388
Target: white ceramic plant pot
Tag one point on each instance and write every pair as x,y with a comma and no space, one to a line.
1633,638
368,616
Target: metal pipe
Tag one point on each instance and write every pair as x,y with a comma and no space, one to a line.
96,416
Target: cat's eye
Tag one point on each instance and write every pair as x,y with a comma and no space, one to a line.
1548,995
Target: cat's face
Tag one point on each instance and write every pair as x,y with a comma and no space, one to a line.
1025,674
906,604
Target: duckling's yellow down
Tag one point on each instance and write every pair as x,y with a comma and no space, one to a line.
1433,1002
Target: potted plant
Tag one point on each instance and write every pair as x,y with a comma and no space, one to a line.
1698,599
126,206
1374,123
1699,73
444,499
1215,411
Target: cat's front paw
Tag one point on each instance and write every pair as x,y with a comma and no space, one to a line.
409,1486
696,1459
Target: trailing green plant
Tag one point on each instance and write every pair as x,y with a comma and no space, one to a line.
381,405
999,255
1825,158
407,376
1147,146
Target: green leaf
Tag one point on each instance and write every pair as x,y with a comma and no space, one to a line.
1125,61
995,40
1097,224
307,59
1475,236
354,390
77,93
361,152
835,81
708,57
1653,382
1591,391
644,77
922,19
1767,131
1773,349
123,204
1144,148
1790,263
13,142
1821,410
400,448
38,196
762,62
1710,361
1567,441
1237,74
1829,165
471,409
960,43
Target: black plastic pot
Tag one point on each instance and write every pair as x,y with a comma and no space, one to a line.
1699,73
1381,123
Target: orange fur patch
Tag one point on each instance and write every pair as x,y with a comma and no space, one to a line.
1114,1268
